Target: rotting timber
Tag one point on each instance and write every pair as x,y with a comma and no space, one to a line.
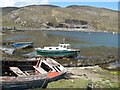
45,71
28,64
22,64
20,78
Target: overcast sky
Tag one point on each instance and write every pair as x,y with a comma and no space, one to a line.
111,4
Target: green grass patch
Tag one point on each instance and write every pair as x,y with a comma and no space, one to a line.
71,83
115,72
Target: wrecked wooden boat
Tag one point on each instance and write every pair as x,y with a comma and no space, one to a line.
44,71
24,80
53,69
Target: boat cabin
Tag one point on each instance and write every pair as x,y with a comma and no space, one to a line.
60,47
48,65
64,46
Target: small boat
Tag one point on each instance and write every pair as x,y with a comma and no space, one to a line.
46,70
22,44
24,80
62,50
114,32
7,50
53,69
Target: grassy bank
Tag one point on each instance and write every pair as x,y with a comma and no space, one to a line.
80,78
71,83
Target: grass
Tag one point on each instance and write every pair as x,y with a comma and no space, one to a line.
115,72
72,83
81,84
106,84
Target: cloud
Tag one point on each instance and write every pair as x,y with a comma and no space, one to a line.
18,3
44,2
83,0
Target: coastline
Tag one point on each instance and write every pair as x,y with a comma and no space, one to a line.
59,29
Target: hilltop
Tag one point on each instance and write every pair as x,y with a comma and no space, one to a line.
50,16
7,10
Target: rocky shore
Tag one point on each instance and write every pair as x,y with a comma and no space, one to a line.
55,29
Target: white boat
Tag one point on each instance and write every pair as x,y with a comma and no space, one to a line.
7,50
114,32
62,50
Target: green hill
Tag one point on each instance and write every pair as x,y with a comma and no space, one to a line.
46,16
6,10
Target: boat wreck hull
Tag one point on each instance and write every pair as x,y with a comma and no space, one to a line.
61,76
57,54
41,83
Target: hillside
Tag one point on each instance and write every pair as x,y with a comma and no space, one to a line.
7,10
47,16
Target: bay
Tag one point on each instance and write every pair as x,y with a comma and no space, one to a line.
94,38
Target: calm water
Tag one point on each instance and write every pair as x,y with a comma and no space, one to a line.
94,38
16,37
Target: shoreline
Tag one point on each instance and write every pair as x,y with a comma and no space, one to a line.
59,29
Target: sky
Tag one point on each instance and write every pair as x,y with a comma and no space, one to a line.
110,4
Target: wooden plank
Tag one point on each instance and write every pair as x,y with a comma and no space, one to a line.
40,70
17,71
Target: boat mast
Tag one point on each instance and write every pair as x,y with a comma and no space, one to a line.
64,40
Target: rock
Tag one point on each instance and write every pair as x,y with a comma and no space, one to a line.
90,86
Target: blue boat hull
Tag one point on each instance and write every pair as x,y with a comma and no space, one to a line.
16,45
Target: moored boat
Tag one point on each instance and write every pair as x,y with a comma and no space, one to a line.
22,44
62,50
7,50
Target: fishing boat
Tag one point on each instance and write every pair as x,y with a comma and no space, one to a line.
44,71
22,44
62,50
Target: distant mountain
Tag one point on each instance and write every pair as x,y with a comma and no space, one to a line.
37,16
